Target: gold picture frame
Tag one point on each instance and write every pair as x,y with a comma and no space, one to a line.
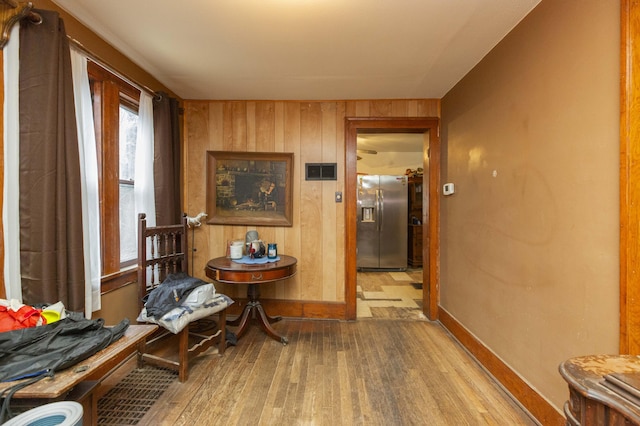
249,188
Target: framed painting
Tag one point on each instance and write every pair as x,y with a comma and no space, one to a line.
249,188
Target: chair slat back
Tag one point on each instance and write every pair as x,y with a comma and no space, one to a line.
162,250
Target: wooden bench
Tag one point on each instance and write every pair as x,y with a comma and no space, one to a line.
80,382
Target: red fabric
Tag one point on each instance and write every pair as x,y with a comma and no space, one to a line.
26,316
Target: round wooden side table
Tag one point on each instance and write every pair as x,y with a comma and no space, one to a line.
225,270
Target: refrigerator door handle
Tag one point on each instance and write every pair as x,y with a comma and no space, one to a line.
380,205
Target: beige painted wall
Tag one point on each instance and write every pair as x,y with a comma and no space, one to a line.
530,239
118,304
314,132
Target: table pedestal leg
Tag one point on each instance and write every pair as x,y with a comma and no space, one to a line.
252,308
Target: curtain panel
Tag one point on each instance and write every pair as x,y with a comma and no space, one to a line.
89,181
167,160
51,237
143,180
11,178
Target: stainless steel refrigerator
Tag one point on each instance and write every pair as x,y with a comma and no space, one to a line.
382,222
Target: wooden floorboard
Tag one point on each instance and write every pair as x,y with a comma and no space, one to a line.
368,372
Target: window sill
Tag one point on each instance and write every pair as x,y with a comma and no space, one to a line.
118,280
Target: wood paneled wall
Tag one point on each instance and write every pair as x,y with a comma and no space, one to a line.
314,132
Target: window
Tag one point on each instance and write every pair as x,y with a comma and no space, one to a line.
127,166
115,104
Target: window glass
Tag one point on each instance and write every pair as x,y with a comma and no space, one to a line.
128,134
127,150
128,225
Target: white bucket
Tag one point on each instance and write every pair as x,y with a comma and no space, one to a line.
64,413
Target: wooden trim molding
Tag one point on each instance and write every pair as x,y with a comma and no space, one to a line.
3,293
537,406
295,308
118,280
629,177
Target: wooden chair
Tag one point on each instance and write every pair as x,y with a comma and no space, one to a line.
162,250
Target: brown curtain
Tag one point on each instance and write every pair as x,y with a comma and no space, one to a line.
166,162
51,252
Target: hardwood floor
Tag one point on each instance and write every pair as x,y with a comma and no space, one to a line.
369,372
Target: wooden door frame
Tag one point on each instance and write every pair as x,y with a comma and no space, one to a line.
431,238
629,177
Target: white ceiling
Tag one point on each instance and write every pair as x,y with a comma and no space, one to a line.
303,49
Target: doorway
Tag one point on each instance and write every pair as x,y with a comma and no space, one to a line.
389,229
430,236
